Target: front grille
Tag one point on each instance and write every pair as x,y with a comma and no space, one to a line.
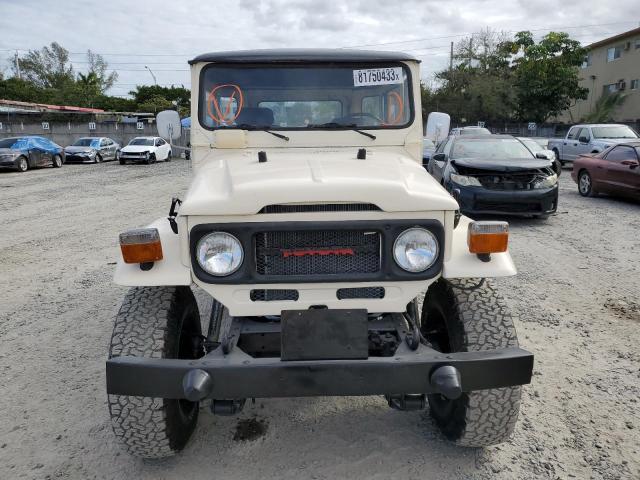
324,207
508,207
308,253
273,295
524,181
362,292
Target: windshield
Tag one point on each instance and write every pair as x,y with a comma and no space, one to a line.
532,145
142,141
305,97
617,131
13,143
86,142
490,148
474,131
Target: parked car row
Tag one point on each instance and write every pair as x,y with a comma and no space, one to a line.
31,151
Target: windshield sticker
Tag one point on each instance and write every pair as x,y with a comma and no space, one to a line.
377,76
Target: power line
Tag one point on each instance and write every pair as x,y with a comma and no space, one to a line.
475,33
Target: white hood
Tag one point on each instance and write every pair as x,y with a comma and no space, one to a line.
137,148
237,184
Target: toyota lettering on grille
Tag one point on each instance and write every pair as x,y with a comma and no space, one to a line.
303,252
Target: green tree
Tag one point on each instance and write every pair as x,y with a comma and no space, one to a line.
546,74
48,67
604,108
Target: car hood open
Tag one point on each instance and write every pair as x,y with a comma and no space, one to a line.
503,164
237,184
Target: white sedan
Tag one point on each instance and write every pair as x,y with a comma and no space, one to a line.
146,149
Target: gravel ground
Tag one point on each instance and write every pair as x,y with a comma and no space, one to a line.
576,306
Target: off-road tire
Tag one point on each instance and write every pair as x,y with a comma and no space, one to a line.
155,322
465,315
56,161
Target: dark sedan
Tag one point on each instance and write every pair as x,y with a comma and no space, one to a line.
93,150
495,174
23,153
615,171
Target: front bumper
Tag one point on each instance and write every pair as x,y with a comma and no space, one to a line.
479,200
74,158
237,375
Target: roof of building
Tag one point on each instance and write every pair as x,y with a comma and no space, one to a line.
615,38
302,55
43,107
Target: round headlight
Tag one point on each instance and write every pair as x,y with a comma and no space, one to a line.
219,253
415,249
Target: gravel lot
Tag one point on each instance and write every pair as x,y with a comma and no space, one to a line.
575,298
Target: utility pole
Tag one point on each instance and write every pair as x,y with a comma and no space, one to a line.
17,66
154,77
451,60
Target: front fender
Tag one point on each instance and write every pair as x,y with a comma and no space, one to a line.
168,271
462,264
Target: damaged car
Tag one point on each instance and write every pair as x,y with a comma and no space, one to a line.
92,150
23,153
496,174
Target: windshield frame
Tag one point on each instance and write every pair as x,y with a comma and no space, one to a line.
307,64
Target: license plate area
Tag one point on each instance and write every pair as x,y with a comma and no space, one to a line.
323,334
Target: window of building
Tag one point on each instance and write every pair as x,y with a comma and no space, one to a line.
638,43
608,89
635,84
614,53
587,61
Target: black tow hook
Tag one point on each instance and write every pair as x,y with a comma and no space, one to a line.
407,403
446,381
196,385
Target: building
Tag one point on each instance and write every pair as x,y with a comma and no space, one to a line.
611,65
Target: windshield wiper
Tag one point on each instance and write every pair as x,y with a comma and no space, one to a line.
246,126
350,126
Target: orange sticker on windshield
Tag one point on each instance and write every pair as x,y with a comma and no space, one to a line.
224,115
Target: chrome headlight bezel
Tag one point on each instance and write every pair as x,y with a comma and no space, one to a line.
216,239
403,259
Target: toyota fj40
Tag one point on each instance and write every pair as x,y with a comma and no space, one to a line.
314,228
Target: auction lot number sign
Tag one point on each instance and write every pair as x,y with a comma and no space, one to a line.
377,76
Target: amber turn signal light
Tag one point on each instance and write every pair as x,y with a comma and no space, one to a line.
488,237
141,245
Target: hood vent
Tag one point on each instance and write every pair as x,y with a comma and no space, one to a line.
321,207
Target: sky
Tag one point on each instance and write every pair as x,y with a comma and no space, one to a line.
163,35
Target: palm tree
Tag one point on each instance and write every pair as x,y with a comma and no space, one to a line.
605,107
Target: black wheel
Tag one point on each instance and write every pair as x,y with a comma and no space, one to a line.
463,315
122,161
585,184
98,158
168,159
159,322
56,161
151,159
22,164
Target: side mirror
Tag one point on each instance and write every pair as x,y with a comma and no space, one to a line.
583,140
168,125
438,124
546,154
439,157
